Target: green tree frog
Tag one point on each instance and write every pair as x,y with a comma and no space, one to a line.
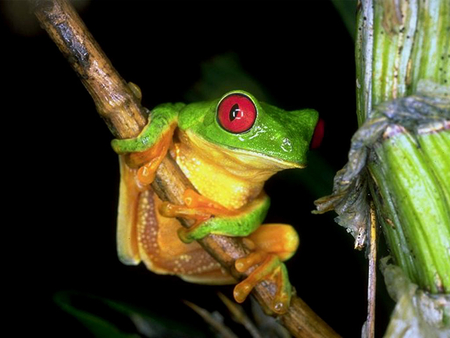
227,148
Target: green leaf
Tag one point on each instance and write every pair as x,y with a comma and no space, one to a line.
107,318
347,10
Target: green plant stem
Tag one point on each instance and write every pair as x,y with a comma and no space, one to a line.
415,194
401,44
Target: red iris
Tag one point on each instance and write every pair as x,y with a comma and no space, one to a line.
236,113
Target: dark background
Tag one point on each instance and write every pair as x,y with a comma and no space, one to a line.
62,176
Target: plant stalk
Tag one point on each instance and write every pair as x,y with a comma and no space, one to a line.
399,156
410,166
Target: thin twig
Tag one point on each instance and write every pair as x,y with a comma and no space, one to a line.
218,325
371,288
125,117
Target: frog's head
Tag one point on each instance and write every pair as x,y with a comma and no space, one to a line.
251,129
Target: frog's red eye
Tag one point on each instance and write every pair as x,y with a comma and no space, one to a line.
318,134
236,113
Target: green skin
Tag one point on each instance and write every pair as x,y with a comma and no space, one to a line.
276,134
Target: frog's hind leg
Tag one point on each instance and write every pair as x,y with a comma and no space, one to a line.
271,245
163,252
150,238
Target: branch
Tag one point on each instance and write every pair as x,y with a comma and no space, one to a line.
125,118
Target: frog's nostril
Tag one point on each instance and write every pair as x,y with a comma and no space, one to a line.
318,134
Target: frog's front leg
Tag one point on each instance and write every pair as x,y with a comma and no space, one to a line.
212,218
146,151
271,244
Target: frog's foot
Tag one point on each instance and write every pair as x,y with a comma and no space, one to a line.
272,244
196,207
147,150
147,161
271,269
146,173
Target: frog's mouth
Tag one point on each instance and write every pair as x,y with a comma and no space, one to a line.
259,160
254,166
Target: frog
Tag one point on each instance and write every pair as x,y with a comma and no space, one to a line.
227,148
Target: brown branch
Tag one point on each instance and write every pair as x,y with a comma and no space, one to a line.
125,118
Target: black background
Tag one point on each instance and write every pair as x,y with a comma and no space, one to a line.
61,177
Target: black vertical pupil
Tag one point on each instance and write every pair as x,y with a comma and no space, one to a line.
234,112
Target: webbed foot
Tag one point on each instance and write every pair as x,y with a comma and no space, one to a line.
146,151
272,244
146,161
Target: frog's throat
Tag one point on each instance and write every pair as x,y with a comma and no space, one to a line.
228,176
